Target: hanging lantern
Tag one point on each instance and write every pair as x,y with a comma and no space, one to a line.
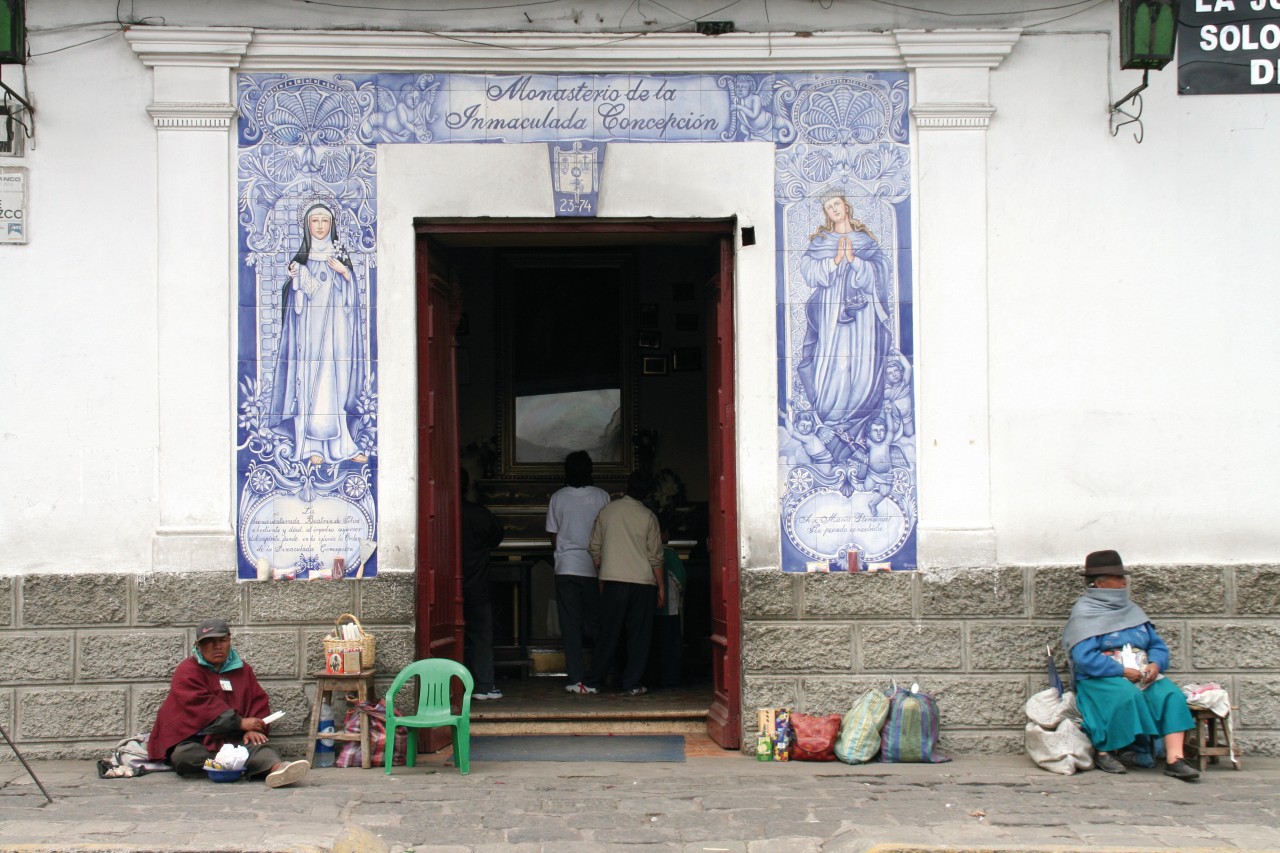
1148,33
13,33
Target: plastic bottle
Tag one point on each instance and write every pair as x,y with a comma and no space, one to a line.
325,754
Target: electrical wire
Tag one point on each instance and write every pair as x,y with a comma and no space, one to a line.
978,14
524,4
605,43
77,26
77,44
1069,15
1087,4
683,17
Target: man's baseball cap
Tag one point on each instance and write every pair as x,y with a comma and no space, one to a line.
210,628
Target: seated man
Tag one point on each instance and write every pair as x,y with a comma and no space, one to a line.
214,699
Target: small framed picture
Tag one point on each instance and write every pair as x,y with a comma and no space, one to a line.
653,365
682,291
686,322
648,315
686,358
649,340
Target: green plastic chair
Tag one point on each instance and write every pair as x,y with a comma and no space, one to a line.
434,676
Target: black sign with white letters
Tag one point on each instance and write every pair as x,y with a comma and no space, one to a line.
1229,47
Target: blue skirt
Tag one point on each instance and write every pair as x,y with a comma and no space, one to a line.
1116,712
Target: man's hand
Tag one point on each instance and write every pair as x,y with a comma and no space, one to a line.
662,598
252,724
255,738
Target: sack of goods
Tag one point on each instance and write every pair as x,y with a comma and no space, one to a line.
895,724
910,732
376,716
859,738
1055,737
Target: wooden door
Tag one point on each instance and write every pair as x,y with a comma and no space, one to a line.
724,718
438,628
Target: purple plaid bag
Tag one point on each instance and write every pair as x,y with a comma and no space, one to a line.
910,732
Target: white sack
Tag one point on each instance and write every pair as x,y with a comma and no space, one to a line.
1064,749
1046,708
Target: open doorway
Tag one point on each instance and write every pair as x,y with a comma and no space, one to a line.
537,338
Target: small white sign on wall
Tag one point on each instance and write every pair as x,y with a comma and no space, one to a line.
13,204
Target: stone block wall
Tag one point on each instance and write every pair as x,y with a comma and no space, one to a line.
975,639
85,660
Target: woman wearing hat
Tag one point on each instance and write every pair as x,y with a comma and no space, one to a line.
1123,696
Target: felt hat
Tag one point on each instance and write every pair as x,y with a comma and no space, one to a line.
211,628
1101,563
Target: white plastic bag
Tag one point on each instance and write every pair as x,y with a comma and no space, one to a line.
1063,749
1046,708
231,757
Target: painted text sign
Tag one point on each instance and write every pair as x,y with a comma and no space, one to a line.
1229,47
13,205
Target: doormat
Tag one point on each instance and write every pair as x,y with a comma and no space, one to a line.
577,748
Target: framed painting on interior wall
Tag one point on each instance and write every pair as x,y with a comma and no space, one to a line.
565,372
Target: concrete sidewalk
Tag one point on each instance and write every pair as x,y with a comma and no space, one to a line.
721,803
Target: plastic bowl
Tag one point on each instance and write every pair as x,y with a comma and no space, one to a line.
224,775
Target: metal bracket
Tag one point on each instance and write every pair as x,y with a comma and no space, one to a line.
1130,118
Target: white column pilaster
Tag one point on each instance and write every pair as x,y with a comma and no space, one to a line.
952,111
193,110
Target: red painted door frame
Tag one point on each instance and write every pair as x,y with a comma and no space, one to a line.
438,626
724,718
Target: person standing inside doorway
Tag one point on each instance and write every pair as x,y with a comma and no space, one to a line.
481,533
570,517
627,548
668,638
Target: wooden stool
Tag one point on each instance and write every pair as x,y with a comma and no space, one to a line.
1202,746
326,685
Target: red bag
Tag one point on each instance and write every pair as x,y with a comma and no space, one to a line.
376,719
815,737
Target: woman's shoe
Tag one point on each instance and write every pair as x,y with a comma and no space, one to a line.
1108,763
1180,769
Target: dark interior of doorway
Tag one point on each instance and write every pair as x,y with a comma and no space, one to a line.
664,329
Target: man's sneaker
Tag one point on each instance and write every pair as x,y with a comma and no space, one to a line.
636,691
491,693
579,688
289,773
1180,769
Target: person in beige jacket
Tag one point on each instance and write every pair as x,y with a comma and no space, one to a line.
627,548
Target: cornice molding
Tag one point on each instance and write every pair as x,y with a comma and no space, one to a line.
369,51
280,50
208,47
952,116
192,116
955,48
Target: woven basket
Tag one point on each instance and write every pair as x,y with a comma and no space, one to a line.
335,643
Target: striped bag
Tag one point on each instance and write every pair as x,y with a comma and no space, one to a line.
859,738
910,733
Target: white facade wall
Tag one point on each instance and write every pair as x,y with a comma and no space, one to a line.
1124,358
